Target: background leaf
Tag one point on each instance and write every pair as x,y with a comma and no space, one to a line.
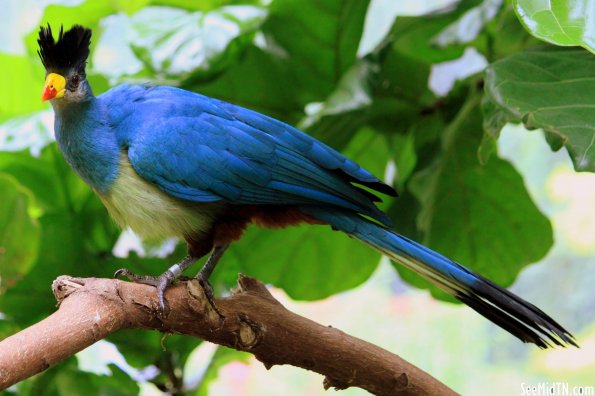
19,232
552,90
478,215
191,45
308,262
320,38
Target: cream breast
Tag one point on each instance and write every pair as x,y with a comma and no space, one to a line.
151,213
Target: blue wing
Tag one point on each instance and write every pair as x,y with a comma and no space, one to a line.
202,149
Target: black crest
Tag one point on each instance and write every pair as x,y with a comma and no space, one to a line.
70,51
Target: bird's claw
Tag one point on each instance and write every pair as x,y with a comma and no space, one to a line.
160,282
206,286
209,293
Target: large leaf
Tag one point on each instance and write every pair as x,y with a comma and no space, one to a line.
481,216
76,233
337,119
48,176
283,74
19,233
258,81
319,38
552,90
143,348
559,22
175,44
416,37
308,262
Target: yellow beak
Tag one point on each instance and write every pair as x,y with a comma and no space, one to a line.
54,88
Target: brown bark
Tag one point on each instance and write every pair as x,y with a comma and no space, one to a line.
250,320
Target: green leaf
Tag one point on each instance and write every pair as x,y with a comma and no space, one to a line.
117,384
19,232
404,156
337,119
61,252
559,22
53,183
308,262
319,38
77,235
143,348
504,35
65,379
552,90
480,216
282,75
177,44
414,36
468,26
351,94
258,82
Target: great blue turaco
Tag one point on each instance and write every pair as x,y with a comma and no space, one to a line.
168,162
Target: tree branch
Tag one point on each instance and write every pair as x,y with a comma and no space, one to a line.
249,320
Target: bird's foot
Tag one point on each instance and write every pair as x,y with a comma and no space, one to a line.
206,271
206,286
208,289
160,282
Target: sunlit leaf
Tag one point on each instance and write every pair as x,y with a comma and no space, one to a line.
336,120
559,22
468,26
32,131
175,43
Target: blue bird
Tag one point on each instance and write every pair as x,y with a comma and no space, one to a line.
167,162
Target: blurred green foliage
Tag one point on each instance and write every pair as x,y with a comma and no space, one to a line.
299,61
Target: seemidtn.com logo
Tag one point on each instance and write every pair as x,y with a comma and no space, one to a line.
556,389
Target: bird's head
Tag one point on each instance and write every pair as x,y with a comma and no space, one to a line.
64,61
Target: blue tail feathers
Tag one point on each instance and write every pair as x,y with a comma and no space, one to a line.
507,310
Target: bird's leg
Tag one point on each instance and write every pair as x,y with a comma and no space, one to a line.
162,281
207,269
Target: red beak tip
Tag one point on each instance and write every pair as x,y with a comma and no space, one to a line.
48,93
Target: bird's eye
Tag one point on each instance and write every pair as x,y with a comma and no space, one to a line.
75,80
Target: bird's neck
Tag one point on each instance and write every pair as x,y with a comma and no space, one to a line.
87,141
